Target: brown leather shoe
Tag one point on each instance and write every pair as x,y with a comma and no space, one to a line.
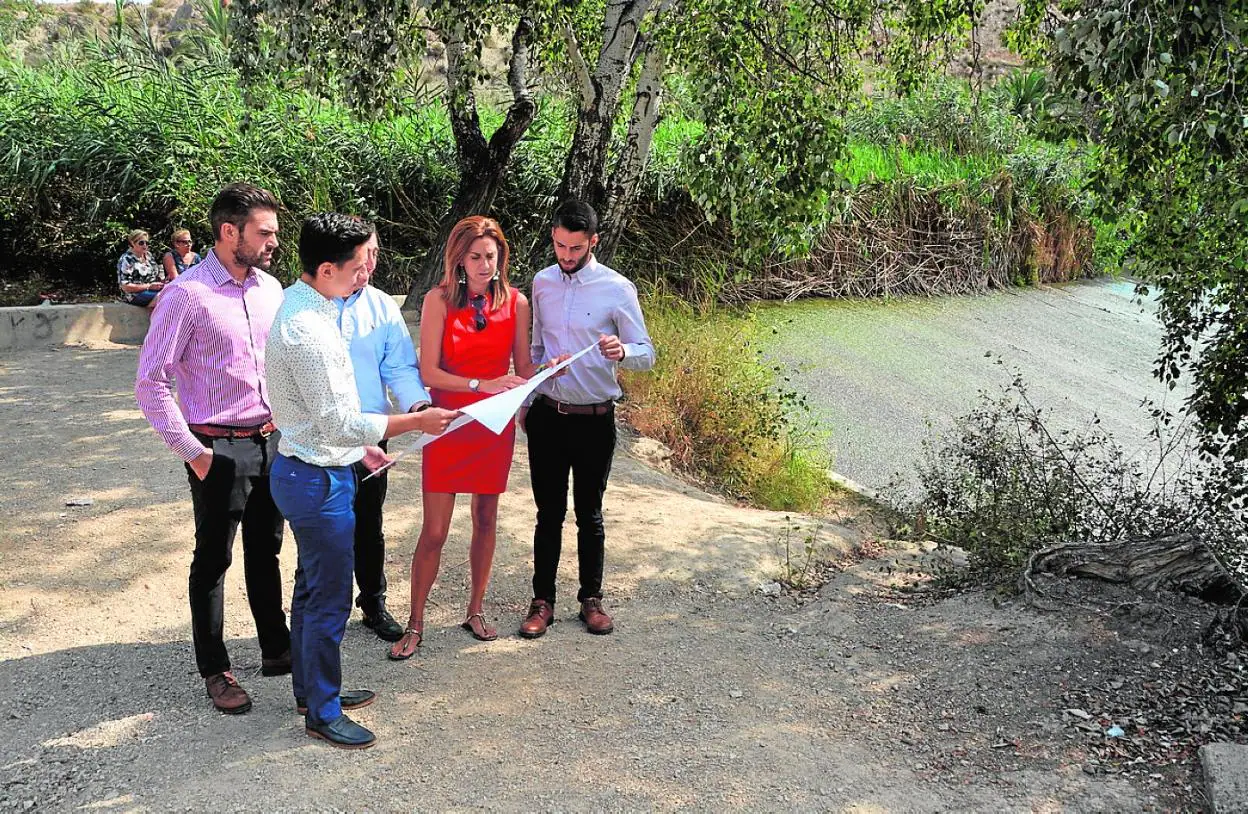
541,616
595,618
226,694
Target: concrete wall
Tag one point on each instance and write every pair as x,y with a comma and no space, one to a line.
45,326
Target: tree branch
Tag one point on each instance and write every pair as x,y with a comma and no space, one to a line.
579,66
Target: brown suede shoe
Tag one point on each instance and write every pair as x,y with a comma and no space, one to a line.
226,694
541,616
595,618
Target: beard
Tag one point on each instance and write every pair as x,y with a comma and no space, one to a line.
249,259
580,264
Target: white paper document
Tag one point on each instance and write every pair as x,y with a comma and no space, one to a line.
494,412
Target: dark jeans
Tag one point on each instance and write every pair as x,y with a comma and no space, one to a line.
370,540
582,445
236,490
318,502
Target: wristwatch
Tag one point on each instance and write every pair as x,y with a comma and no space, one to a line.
474,385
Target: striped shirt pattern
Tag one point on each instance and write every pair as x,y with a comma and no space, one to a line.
208,333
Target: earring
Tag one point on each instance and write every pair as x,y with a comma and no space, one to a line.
495,277
463,277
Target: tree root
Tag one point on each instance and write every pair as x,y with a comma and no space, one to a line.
1176,562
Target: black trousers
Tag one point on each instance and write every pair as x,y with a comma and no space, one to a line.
582,445
370,540
236,491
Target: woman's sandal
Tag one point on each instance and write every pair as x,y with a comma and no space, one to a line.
487,634
401,655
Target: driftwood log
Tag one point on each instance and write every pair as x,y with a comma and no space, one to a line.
1176,562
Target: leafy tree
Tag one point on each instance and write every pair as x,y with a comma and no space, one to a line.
1164,82
359,50
769,80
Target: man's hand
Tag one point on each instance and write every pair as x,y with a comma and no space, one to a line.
202,464
375,458
435,420
611,347
521,416
502,383
155,286
558,360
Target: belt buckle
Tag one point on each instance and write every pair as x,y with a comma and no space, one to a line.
559,405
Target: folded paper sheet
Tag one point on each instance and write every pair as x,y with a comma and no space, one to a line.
493,412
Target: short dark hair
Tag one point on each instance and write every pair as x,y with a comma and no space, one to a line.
576,216
329,237
235,203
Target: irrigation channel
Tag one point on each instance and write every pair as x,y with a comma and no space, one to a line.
882,375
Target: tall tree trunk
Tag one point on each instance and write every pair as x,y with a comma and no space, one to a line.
584,171
482,165
634,154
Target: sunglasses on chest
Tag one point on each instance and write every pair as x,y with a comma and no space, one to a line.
478,311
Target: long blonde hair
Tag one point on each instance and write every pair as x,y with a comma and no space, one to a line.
462,236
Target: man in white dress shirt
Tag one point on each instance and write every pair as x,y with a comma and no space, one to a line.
571,424
324,433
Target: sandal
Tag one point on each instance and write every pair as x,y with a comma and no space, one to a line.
396,653
487,634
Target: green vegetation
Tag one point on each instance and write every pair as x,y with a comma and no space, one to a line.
937,192
1161,85
1003,485
715,401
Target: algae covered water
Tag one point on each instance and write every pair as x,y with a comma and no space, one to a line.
880,375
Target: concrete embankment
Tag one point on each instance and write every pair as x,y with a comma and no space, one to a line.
43,326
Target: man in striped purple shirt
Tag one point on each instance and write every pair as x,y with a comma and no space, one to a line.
208,333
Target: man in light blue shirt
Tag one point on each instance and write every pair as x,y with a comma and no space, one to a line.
384,358
571,423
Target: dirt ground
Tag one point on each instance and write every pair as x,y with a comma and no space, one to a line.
717,691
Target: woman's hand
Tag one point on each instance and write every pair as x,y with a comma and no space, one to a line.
502,383
155,286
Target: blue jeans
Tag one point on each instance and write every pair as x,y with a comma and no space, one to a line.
318,502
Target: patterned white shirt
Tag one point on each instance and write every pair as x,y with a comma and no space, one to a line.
312,384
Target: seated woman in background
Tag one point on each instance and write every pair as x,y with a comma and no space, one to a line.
141,278
181,257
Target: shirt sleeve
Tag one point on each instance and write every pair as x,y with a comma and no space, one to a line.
630,327
331,400
398,367
171,329
124,264
537,350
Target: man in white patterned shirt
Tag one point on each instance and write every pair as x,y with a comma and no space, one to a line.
324,433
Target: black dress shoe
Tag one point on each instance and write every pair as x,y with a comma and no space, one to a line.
279,666
343,733
383,624
350,699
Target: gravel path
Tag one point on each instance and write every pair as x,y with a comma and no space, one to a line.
711,695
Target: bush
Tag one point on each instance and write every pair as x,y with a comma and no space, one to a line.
1003,484
714,401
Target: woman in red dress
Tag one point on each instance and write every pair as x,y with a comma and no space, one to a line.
473,326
